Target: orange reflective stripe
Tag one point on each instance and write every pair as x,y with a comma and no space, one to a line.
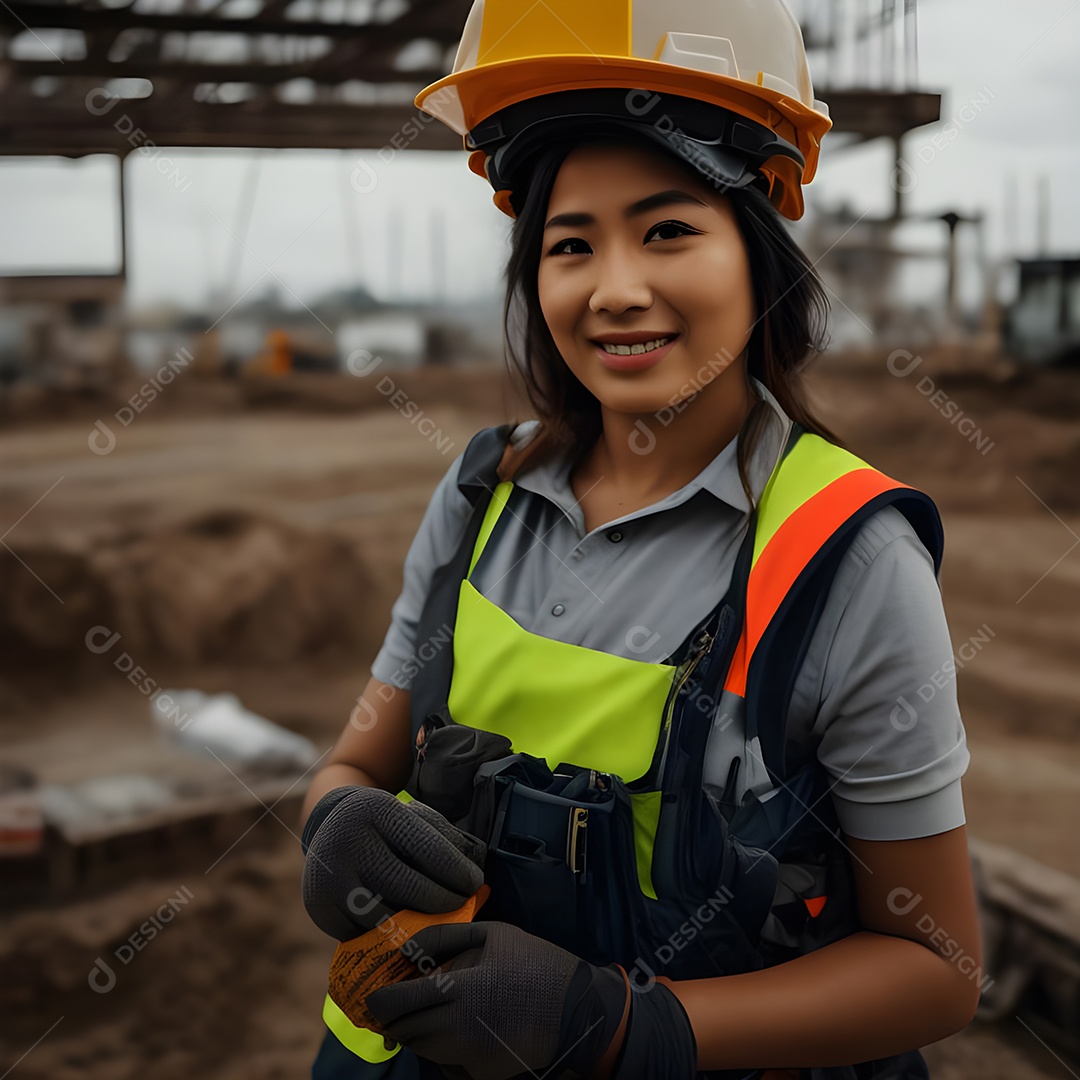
788,551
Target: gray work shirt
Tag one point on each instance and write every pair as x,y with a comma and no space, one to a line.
638,584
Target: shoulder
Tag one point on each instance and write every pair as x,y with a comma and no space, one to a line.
888,532
885,585
449,506
882,624
882,608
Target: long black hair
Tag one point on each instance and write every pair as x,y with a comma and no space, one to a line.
790,299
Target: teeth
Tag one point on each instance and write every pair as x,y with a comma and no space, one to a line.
634,350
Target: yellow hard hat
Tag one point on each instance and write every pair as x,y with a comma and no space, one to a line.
722,83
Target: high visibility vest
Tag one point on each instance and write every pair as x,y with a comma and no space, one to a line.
564,703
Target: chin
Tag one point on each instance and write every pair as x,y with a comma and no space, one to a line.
637,401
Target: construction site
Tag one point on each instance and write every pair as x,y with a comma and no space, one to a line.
206,504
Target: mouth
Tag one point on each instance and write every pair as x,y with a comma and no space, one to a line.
636,348
634,356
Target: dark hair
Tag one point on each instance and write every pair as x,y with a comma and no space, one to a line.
789,297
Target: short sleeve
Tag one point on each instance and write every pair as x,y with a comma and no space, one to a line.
435,542
880,676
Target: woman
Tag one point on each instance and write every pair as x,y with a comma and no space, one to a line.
678,590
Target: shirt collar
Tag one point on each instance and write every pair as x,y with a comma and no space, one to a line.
550,478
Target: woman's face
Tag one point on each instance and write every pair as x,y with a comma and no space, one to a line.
616,272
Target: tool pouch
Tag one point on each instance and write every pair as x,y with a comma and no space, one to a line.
561,855
560,859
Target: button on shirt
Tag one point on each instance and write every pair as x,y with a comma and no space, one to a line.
637,586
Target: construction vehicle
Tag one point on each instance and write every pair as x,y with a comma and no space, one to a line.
1042,325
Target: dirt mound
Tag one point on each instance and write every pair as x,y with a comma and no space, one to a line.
979,434
224,585
138,977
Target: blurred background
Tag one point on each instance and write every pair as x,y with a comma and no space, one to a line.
250,311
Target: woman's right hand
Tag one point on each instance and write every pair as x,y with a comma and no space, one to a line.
369,855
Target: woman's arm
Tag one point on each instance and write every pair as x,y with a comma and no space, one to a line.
373,750
910,978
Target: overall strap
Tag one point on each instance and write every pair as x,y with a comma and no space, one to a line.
477,479
782,647
810,512
723,633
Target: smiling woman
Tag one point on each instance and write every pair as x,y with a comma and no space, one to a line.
726,262
682,615
628,258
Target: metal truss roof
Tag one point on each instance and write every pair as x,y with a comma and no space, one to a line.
92,76
240,73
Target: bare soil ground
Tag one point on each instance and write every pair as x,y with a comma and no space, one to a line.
299,502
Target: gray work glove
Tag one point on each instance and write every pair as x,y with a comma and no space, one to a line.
500,1003
370,855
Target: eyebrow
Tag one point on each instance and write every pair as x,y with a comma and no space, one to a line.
650,202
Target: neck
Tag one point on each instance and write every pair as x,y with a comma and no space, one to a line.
652,454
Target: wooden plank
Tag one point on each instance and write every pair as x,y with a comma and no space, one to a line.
1041,894
876,113
228,802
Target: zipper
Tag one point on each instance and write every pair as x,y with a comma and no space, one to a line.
702,644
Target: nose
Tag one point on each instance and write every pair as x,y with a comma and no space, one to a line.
620,284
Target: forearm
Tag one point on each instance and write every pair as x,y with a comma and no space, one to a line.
328,778
864,997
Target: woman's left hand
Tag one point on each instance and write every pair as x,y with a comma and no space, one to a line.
501,1003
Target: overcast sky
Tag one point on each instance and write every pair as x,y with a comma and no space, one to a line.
1008,72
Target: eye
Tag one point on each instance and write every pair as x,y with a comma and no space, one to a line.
556,250
683,229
